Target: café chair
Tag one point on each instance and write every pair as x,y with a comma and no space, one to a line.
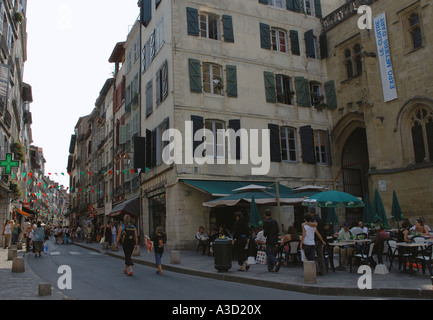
363,254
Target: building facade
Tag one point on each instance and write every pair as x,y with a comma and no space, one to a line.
380,140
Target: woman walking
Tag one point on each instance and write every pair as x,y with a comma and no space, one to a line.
128,235
240,241
7,231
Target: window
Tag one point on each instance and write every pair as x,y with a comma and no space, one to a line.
321,145
215,144
277,3
422,134
316,93
279,40
212,79
284,89
209,26
353,62
162,84
307,7
311,45
415,31
288,144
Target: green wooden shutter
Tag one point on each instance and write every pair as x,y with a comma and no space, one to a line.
264,1
290,5
294,42
297,5
271,95
195,75
307,144
192,21
228,28
323,46
146,12
275,142
265,36
318,8
232,82
302,92
235,124
309,43
331,97
197,124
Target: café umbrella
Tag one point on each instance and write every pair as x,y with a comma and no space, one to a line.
396,213
368,215
255,220
333,199
379,210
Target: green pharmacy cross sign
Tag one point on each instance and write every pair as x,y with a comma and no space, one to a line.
8,164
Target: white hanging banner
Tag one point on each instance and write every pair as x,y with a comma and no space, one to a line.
387,74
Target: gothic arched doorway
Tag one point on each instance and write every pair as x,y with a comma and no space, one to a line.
355,165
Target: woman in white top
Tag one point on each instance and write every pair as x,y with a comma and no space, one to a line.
307,241
7,231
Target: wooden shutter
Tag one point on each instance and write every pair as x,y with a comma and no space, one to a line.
318,8
153,149
331,97
290,5
192,21
265,36
146,12
139,152
148,148
307,145
195,75
271,95
323,46
157,2
309,43
164,80
228,28
197,124
158,87
294,42
297,5
264,1
302,92
232,82
235,124
275,143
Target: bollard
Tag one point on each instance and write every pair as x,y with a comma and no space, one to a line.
105,246
310,272
12,253
44,289
175,257
18,265
19,246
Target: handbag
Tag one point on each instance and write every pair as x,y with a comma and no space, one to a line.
136,251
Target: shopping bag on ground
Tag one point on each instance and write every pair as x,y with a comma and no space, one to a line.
45,248
261,257
303,257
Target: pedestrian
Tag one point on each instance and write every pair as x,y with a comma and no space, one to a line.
240,240
308,243
113,232
319,244
16,231
271,230
128,235
38,236
107,235
27,229
7,231
159,239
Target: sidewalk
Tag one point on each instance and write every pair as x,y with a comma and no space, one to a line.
21,286
340,283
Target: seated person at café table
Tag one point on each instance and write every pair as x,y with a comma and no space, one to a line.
261,240
403,232
420,229
203,239
345,235
292,235
359,229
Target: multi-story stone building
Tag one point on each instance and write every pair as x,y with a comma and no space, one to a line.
382,132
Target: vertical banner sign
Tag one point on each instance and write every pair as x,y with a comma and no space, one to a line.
387,74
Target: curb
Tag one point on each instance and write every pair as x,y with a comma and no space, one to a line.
301,288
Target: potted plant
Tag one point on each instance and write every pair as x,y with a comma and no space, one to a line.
15,189
18,17
17,149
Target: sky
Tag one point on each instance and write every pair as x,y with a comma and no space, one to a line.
69,44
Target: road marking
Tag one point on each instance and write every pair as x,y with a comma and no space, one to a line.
94,253
55,253
75,253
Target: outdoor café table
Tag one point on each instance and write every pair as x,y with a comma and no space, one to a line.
411,249
340,245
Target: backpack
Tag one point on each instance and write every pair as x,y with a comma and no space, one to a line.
128,234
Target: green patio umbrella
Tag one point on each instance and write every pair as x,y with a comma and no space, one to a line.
368,216
333,199
331,217
396,213
379,210
255,220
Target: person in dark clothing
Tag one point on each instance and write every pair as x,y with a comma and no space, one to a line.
159,240
271,230
128,235
108,237
240,240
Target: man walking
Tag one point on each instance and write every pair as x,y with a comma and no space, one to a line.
271,231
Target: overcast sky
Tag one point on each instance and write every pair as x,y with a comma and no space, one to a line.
69,43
